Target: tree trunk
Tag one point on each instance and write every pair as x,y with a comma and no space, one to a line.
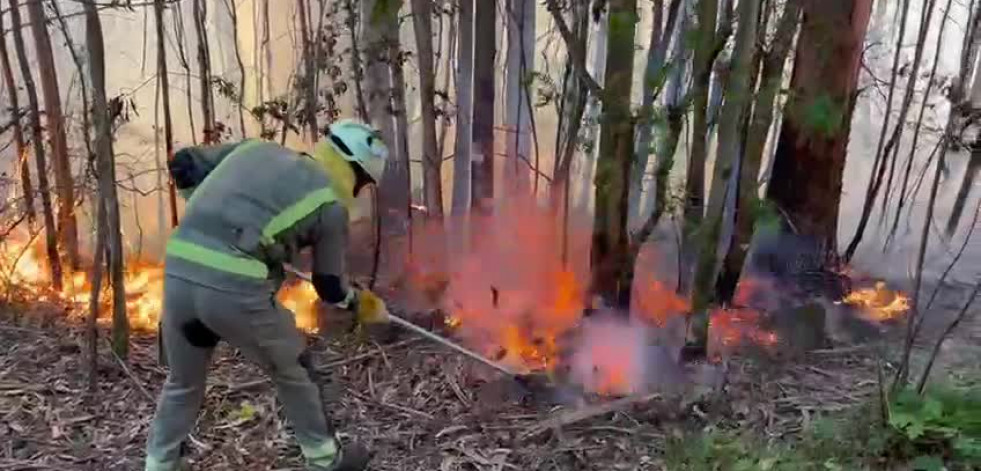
594,107
27,188
86,125
95,292
571,110
810,159
309,83
464,111
729,153
422,17
654,75
520,63
67,228
970,174
402,176
358,72
204,72
179,33
883,160
37,140
612,273
708,11
107,176
240,102
485,41
164,77
774,63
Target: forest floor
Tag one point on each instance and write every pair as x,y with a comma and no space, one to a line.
417,406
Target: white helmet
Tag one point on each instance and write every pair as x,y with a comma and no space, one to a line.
359,143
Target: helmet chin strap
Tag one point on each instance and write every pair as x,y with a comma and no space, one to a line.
361,178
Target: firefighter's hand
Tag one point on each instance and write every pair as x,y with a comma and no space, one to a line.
370,309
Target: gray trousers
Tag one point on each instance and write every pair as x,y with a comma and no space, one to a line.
194,318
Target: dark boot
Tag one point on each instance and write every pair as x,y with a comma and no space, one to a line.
353,457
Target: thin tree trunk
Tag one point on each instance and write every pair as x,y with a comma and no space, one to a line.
574,95
431,161
267,48
774,64
27,188
708,11
107,177
653,83
37,139
919,125
76,58
893,142
404,174
482,170
612,269
95,291
233,14
970,174
464,112
309,82
204,72
163,74
179,32
730,152
809,164
67,228
520,58
448,76
358,71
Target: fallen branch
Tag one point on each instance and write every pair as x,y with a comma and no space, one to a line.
129,373
586,413
363,356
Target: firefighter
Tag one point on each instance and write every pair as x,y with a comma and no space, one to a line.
258,205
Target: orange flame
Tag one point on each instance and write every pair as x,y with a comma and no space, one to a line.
22,266
879,303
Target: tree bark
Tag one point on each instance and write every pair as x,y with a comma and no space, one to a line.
810,159
164,77
309,86
27,188
95,292
729,153
240,105
653,81
204,72
482,170
107,176
520,60
37,140
575,93
358,72
707,13
431,161
86,125
179,32
773,66
892,144
464,111
67,228
612,273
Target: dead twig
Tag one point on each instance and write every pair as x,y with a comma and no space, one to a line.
921,385
586,413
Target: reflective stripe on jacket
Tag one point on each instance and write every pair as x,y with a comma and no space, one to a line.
237,220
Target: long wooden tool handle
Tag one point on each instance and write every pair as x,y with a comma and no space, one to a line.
429,335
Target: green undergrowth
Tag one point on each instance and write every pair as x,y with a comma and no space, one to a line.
940,430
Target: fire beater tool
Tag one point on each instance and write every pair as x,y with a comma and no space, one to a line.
524,379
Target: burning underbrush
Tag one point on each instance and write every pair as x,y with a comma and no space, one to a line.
26,277
507,293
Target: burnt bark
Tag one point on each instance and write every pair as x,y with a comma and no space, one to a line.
612,270
55,119
37,140
20,145
482,169
810,158
309,82
358,72
431,162
107,177
76,58
240,105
